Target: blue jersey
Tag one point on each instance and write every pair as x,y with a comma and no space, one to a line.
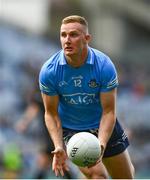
79,88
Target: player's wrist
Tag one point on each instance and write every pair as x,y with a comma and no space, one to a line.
59,146
58,150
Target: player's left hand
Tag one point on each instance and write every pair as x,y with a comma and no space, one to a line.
100,158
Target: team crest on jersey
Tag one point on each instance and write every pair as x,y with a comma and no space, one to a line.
93,83
62,83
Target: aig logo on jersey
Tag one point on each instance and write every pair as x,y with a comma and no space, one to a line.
93,83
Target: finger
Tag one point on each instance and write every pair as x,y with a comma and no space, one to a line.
54,169
65,167
61,171
54,166
56,172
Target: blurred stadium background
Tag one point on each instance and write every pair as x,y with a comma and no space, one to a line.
29,34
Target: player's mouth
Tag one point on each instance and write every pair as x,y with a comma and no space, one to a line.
68,48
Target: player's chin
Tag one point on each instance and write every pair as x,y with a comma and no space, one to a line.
69,51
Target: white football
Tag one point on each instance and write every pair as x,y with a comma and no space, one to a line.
83,149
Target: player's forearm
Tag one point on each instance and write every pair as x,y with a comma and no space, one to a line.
106,127
54,127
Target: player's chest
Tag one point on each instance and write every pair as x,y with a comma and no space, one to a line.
78,81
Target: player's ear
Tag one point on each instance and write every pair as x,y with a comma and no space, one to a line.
88,38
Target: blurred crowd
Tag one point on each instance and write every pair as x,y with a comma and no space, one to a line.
23,152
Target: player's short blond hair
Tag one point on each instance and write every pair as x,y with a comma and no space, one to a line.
75,18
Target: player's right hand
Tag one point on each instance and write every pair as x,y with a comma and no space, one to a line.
59,164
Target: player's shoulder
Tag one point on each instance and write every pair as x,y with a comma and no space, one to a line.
101,59
49,68
52,62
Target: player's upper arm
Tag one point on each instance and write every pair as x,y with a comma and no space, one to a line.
47,80
109,79
108,101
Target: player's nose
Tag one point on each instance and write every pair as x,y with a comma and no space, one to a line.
68,39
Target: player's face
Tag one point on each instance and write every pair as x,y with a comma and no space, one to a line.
73,38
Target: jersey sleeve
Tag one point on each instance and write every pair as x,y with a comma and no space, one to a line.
109,79
47,81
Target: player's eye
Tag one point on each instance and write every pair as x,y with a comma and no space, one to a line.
74,34
63,35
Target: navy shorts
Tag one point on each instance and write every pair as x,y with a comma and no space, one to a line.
117,143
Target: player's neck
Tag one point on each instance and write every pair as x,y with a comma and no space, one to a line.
77,60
